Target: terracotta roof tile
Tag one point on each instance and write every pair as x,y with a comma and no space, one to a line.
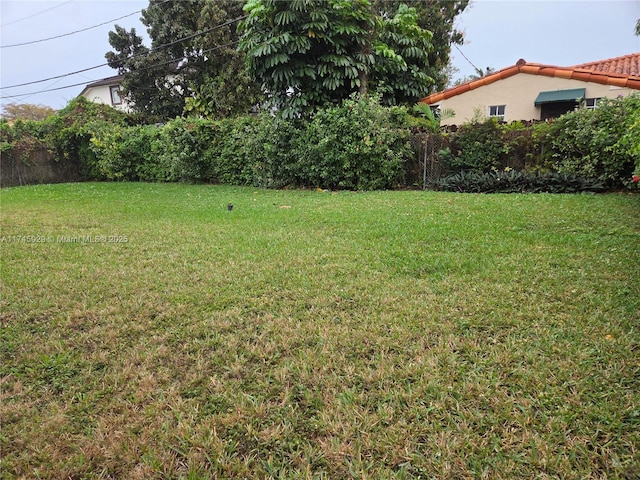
625,65
620,71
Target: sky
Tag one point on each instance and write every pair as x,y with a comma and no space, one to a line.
497,33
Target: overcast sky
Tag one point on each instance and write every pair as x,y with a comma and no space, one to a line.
497,34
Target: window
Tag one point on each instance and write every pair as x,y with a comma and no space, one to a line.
115,95
497,111
591,103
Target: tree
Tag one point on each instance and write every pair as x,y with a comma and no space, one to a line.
402,60
26,111
224,87
309,53
437,17
192,61
147,74
638,27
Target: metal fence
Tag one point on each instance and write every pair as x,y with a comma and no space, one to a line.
429,166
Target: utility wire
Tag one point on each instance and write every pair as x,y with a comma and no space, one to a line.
48,90
34,15
56,77
189,37
92,81
70,33
465,57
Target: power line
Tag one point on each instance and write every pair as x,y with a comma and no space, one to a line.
189,37
25,96
48,90
465,57
56,77
70,33
4,97
35,14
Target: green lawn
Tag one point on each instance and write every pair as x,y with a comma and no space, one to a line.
148,332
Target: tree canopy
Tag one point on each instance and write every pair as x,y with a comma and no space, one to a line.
26,111
193,61
215,58
401,72
438,17
308,53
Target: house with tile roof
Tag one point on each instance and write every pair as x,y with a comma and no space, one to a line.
534,91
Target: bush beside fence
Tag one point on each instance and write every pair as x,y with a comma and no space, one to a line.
356,145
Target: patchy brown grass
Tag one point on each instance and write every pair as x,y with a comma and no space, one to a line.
378,335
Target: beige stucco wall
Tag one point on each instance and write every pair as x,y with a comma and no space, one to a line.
102,94
518,94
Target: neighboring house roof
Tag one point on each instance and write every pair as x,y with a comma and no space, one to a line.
620,72
115,80
625,65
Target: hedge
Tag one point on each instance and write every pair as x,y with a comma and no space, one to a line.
356,145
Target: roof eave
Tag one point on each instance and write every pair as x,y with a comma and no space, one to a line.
569,73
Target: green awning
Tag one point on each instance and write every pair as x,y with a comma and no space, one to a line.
555,96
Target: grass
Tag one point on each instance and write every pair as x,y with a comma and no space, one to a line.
313,334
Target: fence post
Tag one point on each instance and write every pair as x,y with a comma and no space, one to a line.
424,170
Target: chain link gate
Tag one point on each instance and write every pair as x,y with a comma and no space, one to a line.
427,146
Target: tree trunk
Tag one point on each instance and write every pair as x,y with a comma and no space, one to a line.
364,82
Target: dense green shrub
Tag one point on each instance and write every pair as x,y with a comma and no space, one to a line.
518,145
630,141
228,153
255,151
485,145
598,143
272,147
184,149
19,140
127,153
144,142
357,145
113,161
69,132
244,150
6,136
477,146
539,157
